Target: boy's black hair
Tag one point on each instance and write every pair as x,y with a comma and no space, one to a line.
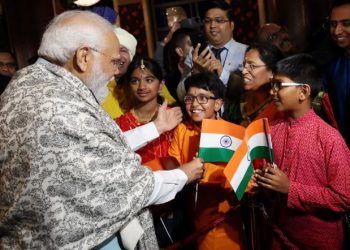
302,68
208,81
268,53
223,5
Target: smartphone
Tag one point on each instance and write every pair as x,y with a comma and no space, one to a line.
199,37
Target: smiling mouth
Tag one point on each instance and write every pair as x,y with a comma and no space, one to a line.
247,80
196,111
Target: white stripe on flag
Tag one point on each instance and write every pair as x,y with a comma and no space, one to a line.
258,139
241,171
211,140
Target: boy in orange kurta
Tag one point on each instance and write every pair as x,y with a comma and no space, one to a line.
204,98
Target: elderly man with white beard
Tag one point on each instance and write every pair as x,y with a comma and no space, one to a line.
68,177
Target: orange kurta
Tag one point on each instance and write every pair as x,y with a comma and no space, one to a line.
213,194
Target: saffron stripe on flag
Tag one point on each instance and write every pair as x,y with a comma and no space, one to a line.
222,127
217,138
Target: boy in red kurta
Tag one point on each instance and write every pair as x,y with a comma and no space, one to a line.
313,163
204,98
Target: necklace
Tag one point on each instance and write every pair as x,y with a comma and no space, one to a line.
142,119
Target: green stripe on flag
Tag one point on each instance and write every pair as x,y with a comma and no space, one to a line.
215,154
243,185
261,152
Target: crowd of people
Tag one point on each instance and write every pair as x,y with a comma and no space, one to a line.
99,146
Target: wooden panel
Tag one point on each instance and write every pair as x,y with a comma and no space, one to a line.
26,23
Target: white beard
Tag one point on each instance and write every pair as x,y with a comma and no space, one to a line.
97,82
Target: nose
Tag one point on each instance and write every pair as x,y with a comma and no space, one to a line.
116,70
142,84
244,70
273,91
338,29
212,24
195,102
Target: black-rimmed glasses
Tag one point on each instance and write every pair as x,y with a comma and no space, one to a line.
201,99
116,62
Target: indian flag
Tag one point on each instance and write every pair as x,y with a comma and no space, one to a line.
219,140
256,144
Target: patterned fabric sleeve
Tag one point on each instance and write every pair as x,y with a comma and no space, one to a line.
68,178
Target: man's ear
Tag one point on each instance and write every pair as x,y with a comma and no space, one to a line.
232,25
82,58
218,104
305,92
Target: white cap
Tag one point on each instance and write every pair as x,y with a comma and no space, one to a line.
86,3
127,40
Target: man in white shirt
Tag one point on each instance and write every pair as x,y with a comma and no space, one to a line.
68,177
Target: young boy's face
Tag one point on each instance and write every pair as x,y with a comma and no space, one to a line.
287,97
199,111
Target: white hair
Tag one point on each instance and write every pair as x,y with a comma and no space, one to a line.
70,30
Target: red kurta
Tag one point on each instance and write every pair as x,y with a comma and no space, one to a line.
156,148
317,162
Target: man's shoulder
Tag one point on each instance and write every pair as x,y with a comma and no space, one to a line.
237,45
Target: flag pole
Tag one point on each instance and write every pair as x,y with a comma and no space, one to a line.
268,142
254,219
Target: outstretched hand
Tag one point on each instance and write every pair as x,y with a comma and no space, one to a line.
167,119
272,178
193,169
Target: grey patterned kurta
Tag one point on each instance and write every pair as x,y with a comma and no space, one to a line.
68,178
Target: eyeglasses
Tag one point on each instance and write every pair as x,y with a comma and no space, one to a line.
218,20
116,62
276,85
251,66
8,65
201,99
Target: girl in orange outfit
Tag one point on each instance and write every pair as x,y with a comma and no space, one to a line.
204,99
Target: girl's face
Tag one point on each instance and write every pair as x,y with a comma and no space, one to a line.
144,85
255,73
199,111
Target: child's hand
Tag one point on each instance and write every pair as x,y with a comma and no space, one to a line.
272,178
167,119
